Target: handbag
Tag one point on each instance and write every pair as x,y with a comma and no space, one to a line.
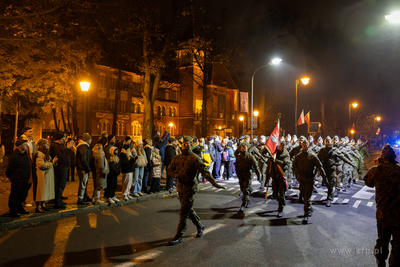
141,161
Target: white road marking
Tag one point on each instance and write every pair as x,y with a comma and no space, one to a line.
207,187
345,201
334,200
313,197
370,204
143,258
356,204
219,190
230,189
365,193
236,191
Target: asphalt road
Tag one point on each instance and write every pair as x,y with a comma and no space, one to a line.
138,234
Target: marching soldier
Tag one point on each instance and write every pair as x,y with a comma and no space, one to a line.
244,164
184,167
363,149
296,149
261,148
279,184
304,164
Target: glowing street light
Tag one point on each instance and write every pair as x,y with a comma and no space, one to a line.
394,17
274,61
378,118
255,113
354,105
85,88
241,118
304,81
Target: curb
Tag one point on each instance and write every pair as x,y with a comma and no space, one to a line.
73,210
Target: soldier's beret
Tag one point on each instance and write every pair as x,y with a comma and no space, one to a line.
247,136
328,138
187,138
321,139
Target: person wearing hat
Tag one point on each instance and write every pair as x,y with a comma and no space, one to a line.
18,172
103,139
84,159
180,141
304,164
363,150
59,150
184,168
385,177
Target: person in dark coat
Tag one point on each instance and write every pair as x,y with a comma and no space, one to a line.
211,150
72,160
84,158
170,153
218,158
112,177
148,148
18,172
103,140
59,150
160,143
111,142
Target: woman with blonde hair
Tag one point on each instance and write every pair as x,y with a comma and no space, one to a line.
127,167
141,162
102,169
43,175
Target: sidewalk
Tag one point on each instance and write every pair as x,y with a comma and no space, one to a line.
71,191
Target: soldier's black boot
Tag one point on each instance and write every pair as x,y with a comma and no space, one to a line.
248,204
328,203
241,208
177,239
280,212
305,219
200,231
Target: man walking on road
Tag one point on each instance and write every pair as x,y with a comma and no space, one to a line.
184,167
385,177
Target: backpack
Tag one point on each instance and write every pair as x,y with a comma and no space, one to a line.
225,155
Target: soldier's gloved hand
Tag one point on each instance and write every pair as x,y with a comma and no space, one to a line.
218,186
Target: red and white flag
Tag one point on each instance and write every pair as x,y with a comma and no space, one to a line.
301,118
307,118
273,140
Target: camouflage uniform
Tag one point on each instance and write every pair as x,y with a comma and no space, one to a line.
244,163
331,158
261,148
184,167
358,159
296,149
304,164
362,149
385,177
278,184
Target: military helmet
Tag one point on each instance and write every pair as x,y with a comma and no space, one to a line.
335,137
328,138
320,138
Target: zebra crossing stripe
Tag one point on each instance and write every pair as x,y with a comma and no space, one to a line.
207,187
356,204
313,197
219,190
230,189
345,201
369,204
334,200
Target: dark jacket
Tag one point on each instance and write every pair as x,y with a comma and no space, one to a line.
161,145
211,149
72,157
218,150
115,168
102,141
149,166
170,153
19,166
83,156
127,165
61,152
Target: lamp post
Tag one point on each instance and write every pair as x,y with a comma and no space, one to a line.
255,113
378,119
304,81
273,62
241,118
170,127
85,88
354,105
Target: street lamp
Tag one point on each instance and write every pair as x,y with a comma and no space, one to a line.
85,88
304,81
241,118
394,17
354,105
274,61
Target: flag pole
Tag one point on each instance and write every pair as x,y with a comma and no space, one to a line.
273,160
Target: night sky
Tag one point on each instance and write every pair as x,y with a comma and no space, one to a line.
354,56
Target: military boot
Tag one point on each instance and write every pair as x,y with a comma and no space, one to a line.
177,239
328,203
200,231
241,209
305,219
